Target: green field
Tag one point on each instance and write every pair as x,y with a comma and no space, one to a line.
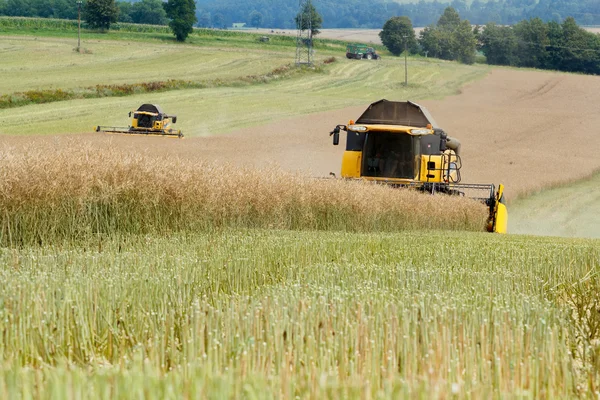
50,63
127,277
224,109
284,314
232,73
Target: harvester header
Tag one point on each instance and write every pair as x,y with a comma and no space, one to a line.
149,120
400,144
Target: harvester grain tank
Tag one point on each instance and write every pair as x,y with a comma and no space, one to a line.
400,144
148,120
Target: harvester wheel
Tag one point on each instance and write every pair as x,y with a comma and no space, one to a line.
369,56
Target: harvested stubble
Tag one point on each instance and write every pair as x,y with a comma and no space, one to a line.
49,193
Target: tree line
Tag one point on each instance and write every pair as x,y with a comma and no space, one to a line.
335,13
450,38
141,12
374,13
530,43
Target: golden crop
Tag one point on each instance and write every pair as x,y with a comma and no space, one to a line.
51,193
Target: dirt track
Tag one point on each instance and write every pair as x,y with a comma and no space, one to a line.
525,129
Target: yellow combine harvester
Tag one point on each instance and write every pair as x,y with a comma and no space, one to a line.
399,144
147,120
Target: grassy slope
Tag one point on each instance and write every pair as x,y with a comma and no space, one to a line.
306,314
217,110
132,57
45,63
569,211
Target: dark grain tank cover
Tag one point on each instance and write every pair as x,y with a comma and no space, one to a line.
150,108
407,113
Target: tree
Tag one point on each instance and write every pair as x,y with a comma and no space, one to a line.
255,19
124,11
397,33
309,13
183,17
429,39
466,43
149,12
99,14
449,21
218,20
450,39
204,20
533,41
499,44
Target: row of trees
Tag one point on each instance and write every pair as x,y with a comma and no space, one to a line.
374,13
450,38
531,43
535,44
99,14
143,12
180,14
338,13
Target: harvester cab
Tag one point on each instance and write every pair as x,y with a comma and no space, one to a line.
149,120
400,144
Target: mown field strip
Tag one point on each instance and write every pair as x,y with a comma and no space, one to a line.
212,111
568,211
50,63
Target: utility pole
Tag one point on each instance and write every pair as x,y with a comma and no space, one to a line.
405,60
79,25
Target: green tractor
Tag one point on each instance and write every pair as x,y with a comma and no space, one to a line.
359,51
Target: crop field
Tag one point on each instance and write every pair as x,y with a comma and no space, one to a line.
218,267
282,314
52,193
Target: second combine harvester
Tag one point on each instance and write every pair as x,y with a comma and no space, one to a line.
147,120
400,144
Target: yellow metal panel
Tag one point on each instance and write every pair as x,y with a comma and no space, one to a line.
433,174
501,219
501,216
351,163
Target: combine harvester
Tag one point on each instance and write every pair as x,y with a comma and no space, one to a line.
399,144
148,120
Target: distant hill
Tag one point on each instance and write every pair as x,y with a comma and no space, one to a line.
364,14
373,13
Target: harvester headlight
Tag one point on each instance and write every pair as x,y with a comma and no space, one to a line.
357,128
420,131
